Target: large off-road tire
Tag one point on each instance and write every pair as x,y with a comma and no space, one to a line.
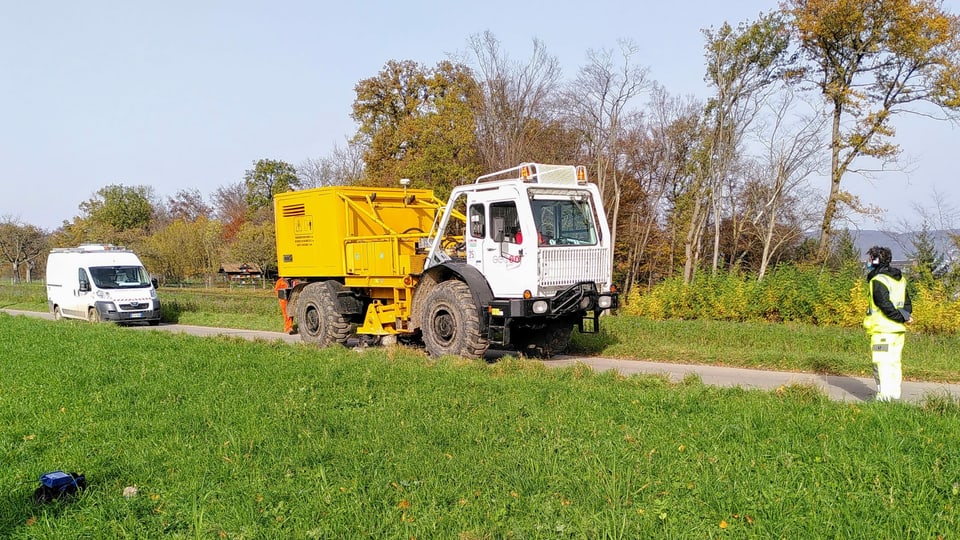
553,338
93,315
318,321
451,324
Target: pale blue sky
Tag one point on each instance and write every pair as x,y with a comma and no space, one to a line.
183,94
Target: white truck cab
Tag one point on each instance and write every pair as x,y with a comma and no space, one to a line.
100,282
535,254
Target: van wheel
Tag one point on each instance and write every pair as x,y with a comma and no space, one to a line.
93,315
451,324
57,314
318,321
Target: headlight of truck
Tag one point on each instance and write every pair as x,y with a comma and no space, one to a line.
540,307
604,302
104,295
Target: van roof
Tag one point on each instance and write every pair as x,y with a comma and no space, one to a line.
92,248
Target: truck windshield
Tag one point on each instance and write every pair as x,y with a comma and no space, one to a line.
119,277
563,220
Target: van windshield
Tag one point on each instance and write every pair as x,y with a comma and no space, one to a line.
119,277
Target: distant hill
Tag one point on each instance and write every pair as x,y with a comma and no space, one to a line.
901,244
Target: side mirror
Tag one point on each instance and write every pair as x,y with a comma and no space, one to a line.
84,286
155,283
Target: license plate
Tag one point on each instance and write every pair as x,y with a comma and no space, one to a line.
136,315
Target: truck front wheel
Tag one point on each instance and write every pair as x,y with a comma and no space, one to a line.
451,324
317,319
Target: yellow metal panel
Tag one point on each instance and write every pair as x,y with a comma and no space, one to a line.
357,259
352,231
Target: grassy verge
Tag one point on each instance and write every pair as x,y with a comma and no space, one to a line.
252,309
230,439
790,347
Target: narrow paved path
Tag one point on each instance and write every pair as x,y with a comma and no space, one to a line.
837,387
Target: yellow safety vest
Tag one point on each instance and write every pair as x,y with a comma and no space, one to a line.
878,323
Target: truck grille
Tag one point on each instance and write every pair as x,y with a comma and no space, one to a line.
565,266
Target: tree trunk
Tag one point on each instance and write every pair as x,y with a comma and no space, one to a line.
692,242
826,226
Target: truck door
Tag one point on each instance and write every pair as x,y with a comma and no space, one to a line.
504,244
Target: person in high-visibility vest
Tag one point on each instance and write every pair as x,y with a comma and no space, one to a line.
887,316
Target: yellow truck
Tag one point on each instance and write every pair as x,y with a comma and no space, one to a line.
515,260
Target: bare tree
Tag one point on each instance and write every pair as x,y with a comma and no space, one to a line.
516,100
599,99
742,63
343,166
792,142
21,245
658,152
230,207
187,205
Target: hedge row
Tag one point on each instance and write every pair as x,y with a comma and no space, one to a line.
789,294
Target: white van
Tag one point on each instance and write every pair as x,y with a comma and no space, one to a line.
100,282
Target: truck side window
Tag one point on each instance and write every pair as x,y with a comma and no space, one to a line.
505,223
477,220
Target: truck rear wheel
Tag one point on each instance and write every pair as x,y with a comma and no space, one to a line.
451,324
317,318
57,313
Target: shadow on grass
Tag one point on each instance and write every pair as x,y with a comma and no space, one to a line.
593,343
170,310
19,510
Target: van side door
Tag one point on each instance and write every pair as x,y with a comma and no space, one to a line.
82,296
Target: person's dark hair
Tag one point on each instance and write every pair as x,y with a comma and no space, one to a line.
881,253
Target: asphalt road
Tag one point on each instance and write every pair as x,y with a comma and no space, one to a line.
837,387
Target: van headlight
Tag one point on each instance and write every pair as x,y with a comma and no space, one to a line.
604,302
540,307
103,295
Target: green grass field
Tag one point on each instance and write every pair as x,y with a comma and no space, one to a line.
231,439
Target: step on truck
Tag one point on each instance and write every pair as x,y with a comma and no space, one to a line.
513,261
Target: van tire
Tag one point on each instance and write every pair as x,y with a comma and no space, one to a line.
450,323
318,321
57,313
93,315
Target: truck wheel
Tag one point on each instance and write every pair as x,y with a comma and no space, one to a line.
450,323
317,318
57,313
93,315
545,342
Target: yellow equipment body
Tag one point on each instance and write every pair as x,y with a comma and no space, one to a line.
361,237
